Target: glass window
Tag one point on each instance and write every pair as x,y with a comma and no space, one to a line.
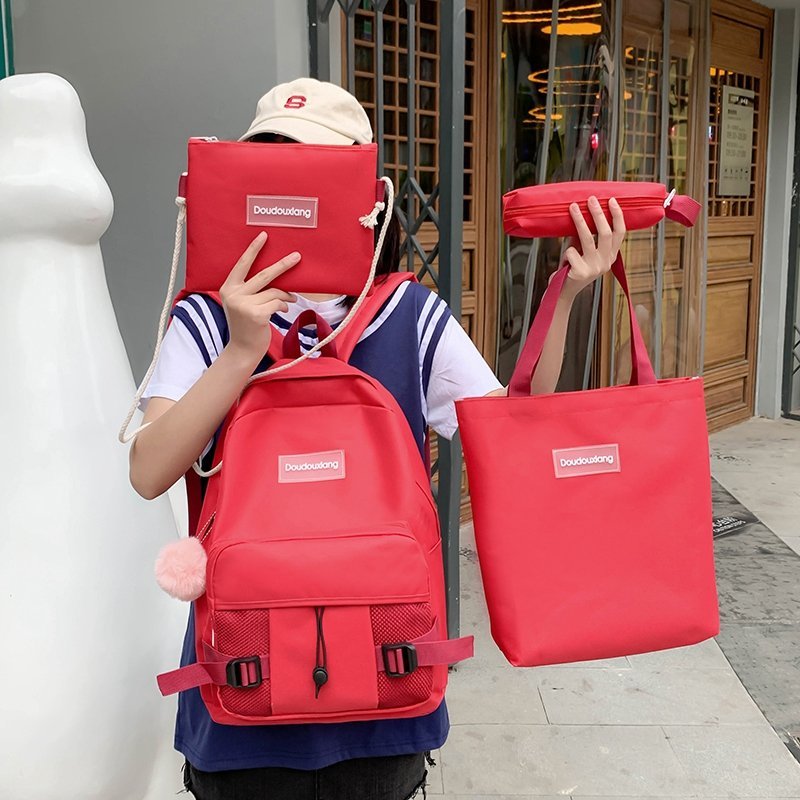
571,143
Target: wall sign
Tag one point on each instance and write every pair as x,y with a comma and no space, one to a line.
735,143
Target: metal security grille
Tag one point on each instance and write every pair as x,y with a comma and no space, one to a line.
406,61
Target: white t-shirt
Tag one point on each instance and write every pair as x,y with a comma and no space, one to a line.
457,370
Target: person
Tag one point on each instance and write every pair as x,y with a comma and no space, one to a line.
420,353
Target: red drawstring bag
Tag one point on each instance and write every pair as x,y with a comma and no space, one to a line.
322,200
592,510
535,211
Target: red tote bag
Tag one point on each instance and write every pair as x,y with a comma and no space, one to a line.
592,510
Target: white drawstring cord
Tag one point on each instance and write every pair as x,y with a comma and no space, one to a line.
344,323
124,437
371,220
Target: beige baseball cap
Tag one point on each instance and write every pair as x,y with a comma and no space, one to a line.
312,112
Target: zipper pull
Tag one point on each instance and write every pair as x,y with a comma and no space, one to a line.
669,198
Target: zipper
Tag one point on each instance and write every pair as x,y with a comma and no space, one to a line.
215,553
206,529
562,208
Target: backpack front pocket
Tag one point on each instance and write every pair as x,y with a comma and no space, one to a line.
321,609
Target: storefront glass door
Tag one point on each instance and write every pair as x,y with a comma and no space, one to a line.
557,98
595,91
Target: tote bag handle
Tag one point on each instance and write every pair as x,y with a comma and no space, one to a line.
641,368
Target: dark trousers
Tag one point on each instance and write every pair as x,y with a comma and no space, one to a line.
384,778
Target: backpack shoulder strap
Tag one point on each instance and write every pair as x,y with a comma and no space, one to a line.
381,291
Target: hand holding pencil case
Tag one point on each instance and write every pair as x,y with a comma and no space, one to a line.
543,211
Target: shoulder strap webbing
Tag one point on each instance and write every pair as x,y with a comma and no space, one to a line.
378,295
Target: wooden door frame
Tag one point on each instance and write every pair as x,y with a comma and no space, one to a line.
489,263
702,274
693,262
762,17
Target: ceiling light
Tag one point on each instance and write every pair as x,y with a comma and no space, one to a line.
575,29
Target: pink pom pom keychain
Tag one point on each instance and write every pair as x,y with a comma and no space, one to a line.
181,569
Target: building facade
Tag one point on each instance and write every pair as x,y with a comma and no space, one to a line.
683,92
676,91
698,94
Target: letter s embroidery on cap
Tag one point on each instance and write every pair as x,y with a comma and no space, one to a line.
295,101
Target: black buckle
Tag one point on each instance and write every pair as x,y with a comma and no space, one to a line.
234,674
406,656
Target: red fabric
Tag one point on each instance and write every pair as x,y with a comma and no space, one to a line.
291,341
541,211
336,252
683,209
203,673
273,547
431,652
606,549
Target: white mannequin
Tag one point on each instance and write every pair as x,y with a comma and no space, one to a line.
84,627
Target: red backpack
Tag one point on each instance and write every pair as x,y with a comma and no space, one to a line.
324,595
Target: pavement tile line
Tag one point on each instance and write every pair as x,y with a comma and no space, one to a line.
757,578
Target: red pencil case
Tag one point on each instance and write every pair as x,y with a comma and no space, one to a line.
541,211
321,200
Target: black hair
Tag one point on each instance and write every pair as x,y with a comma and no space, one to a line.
389,260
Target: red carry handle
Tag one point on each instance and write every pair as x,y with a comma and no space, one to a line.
520,383
683,209
291,342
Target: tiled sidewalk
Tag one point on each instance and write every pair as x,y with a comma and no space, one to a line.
667,725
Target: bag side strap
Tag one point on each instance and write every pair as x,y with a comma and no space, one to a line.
218,669
681,208
395,659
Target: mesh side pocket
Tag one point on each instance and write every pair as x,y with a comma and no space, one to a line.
244,633
400,623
